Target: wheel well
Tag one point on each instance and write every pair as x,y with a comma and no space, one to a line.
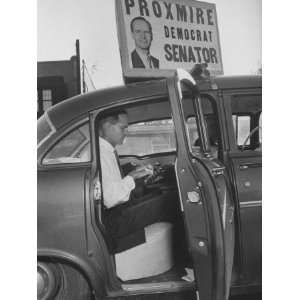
64,268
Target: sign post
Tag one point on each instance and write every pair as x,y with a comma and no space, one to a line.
158,36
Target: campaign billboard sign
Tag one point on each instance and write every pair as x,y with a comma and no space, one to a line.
158,36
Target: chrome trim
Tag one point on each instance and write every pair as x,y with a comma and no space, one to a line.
178,185
250,204
166,286
53,130
224,208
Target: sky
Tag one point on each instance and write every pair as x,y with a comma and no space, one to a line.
93,22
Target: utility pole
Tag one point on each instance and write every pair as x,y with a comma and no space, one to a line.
84,89
78,67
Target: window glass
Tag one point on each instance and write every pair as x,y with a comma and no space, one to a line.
146,138
241,125
192,131
46,99
46,95
260,128
210,121
73,148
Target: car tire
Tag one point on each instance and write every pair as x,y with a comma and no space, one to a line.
48,281
73,285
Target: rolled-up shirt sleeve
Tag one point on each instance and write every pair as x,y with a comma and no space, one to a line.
116,189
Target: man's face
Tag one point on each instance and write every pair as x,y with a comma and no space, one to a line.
116,133
141,34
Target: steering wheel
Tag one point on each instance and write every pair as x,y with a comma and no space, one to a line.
249,136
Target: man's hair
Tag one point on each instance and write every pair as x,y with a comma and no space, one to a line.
111,116
141,19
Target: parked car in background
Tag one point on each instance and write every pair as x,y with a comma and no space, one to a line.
203,138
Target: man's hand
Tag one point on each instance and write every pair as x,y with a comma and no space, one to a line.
141,171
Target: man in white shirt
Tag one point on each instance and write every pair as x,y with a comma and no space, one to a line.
116,189
123,215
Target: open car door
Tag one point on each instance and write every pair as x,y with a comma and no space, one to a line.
205,197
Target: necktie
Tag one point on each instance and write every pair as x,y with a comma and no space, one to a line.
149,61
118,162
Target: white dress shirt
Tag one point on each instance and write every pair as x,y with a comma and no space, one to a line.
116,189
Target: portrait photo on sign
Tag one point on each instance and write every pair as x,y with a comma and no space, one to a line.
142,35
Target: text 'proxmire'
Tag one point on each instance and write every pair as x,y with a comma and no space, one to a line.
171,11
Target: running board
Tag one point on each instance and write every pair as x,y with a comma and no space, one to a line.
153,288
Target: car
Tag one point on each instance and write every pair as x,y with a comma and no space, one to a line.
203,137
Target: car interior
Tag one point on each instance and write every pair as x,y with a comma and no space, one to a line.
161,256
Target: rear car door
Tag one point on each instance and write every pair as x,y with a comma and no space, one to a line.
204,195
243,113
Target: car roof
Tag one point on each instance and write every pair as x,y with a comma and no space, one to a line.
80,105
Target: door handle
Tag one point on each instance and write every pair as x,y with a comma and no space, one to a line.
245,166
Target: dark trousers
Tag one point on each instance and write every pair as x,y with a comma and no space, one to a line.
134,215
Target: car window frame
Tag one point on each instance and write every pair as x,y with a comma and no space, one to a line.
138,100
57,137
227,98
215,103
46,120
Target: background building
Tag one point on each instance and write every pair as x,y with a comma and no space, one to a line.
57,81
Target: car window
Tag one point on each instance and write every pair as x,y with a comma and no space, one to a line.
146,138
73,148
210,122
246,119
192,131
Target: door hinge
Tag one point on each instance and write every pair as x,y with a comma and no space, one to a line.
97,191
217,171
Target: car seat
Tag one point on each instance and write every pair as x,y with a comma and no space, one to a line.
153,257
